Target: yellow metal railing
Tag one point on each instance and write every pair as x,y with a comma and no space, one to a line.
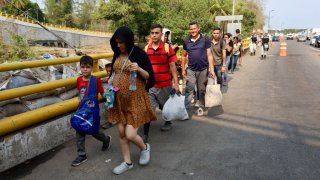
245,43
26,119
19,18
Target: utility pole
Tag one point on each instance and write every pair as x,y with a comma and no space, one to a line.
233,3
269,20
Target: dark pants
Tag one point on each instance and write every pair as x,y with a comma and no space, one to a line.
218,72
81,138
158,97
234,62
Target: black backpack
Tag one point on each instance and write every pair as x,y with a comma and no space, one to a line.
265,39
254,39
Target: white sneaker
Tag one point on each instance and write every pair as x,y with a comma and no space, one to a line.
145,156
123,167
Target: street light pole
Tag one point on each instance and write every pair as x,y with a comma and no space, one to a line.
269,20
233,3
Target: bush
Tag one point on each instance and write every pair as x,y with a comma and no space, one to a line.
18,49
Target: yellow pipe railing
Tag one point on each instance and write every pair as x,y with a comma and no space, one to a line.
23,120
37,88
40,63
245,43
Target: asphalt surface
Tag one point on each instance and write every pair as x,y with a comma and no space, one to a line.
267,128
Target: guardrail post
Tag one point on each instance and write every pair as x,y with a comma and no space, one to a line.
95,65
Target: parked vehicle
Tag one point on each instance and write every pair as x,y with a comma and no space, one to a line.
275,39
289,36
301,38
317,41
313,39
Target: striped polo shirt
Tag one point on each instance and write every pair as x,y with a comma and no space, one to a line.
160,60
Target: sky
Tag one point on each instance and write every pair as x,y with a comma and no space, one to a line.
293,13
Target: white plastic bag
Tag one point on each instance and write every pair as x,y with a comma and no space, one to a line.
213,95
174,109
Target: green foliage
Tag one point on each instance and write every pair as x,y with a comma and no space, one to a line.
27,7
137,14
60,12
18,49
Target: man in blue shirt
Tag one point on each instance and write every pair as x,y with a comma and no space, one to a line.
200,60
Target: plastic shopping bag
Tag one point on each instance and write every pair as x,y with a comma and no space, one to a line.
174,109
213,95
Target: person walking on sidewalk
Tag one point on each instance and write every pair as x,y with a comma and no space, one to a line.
197,47
240,38
218,48
86,67
265,45
229,48
132,107
162,58
235,54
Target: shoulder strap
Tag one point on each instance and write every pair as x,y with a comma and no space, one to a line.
221,44
92,87
125,62
146,48
204,40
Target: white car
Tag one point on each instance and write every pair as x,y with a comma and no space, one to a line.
290,36
313,40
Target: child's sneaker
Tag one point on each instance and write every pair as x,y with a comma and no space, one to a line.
106,145
79,160
145,155
123,167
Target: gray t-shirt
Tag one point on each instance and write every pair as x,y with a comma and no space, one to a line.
216,49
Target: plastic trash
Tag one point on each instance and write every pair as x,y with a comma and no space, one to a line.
174,109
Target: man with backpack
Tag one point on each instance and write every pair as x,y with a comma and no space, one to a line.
265,45
218,48
162,58
197,47
253,44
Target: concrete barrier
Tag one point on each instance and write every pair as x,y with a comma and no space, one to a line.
34,32
26,144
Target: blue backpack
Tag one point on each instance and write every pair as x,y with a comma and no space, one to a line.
86,119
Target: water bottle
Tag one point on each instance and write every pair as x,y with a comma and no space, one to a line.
133,79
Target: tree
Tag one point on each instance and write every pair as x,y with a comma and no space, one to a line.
60,12
29,9
137,14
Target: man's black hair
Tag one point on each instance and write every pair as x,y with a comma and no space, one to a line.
193,23
236,37
237,30
153,26
228,34
86,60
216,28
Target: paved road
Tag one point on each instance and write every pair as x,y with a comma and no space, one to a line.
267,128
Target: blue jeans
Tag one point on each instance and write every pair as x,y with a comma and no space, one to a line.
217,71
226,69
234,62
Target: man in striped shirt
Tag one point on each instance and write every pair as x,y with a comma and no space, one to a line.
162,58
